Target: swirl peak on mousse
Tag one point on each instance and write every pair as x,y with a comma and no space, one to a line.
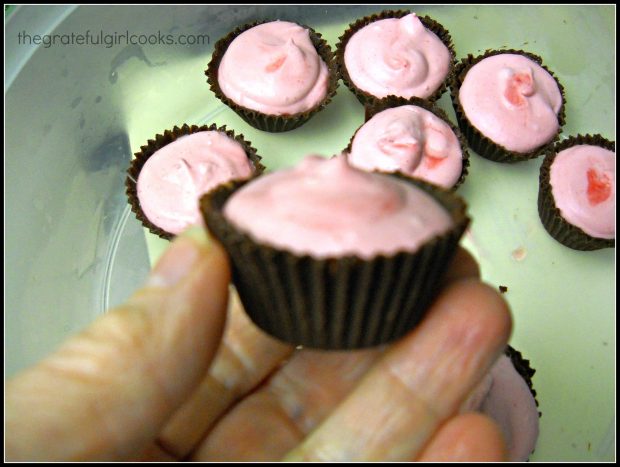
397,56
176,175
513,101
274,68
326,208
410,140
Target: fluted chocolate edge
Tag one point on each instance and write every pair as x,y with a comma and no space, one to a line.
335,303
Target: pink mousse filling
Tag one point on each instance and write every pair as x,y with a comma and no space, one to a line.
274,68
326,208
174,177
410,140
513,101
505,397
583,184
397,56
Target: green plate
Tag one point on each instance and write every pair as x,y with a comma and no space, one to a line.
563,301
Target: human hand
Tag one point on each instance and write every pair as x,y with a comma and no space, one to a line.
162,377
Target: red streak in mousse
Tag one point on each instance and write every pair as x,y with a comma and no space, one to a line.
599,187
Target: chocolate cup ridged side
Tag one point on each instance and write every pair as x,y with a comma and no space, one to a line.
366,98
261,121
395,101
550,216
523,367
482,145
335,303
161,140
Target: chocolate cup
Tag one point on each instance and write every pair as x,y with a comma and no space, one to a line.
335,303
365,97
482,145
390,102
161,140
259,120
559,228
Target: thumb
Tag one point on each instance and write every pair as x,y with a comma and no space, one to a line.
106,393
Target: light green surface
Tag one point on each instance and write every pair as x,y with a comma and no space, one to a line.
563,301
8,9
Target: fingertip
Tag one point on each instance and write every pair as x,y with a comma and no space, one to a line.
196,306
471,437
220,260
209,246
184,253
471,296
463,266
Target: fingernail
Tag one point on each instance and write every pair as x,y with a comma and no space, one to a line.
180,257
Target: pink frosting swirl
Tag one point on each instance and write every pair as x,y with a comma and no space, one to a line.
513,101
326,208
397,56
583,184
410,140
504,396
175,176
274,68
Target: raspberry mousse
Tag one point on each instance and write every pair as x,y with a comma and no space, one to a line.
577,194
328,256
274,68
512,101
411,140
583,183
171,179
505,395
325,208
397,56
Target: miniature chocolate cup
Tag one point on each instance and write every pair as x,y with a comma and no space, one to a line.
390,102
161,140
482,145
559,228
365,97
259,120
335,303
